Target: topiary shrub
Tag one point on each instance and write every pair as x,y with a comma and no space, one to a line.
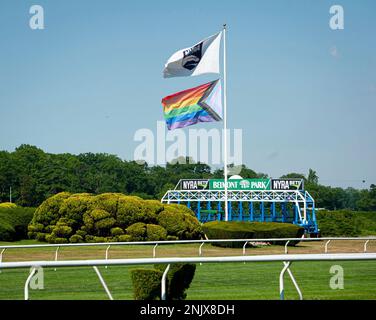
146,284
8,205
129,211
51,238
103,227
179,224
73,207
117,231
106,201
155,232
137,231
125,238
154,207
111,217
61,231
48,212
182,208
40,236
76,239
179,278
250,230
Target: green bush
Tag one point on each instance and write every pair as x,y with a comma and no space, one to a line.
106,201
153,207
41,236
104,226
125,238
117,231
250,230
129,211
14,223
155,232
182,208
346,223
179,224
48,212
179,278
146,232
111,217
137,231
62,232
76,239
146,284
8,205
73,206
51,238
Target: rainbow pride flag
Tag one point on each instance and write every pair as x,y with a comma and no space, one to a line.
191,106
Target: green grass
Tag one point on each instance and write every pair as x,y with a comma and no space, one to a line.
212,281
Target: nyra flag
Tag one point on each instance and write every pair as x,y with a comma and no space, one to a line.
201,58
191,106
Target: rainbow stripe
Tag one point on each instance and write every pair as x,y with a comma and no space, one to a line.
188,107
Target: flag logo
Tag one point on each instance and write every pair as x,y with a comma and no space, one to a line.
201,58
192,57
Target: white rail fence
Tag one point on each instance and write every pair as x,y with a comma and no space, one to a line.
286,258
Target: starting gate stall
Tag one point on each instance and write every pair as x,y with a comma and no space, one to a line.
275,200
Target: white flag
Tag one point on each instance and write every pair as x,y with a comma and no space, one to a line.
201,58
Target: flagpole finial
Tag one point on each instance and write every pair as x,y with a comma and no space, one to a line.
224,26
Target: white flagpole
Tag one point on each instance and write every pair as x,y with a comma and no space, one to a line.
225,120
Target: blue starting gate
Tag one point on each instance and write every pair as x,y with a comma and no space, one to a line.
289,206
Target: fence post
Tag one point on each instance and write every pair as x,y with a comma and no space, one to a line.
27,283
286,250
326,246
108,248
365,246
163,284
200,251
1,256
245,244
154,250
56,253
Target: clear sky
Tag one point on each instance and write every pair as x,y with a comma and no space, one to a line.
304,95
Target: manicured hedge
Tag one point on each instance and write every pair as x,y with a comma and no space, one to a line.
8,205
250,230
14,221
106,217
179,277
147,282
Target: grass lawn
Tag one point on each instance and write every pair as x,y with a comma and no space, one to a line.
211,281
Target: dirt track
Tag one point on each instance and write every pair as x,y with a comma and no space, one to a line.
116,252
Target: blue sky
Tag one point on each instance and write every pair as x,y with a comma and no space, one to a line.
304,95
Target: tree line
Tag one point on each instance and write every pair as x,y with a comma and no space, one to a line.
35,175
